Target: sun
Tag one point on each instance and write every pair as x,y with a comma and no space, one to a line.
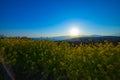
74,31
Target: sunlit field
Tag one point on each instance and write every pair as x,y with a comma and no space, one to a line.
48,60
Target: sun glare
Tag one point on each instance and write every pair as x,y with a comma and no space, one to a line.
74,31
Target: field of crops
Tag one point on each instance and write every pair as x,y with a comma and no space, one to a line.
47,60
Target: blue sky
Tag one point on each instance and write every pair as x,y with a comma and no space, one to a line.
36,18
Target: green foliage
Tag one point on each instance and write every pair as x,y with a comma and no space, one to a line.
33,60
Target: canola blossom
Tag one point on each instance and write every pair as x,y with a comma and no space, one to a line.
48,60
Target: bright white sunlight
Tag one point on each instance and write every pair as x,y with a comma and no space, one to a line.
74,31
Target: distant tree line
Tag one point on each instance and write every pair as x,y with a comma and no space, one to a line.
15,37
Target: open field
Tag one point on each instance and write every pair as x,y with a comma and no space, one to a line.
48,60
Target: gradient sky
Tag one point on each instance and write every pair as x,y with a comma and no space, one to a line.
36,18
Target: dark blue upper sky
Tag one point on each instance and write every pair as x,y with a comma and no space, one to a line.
36,18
